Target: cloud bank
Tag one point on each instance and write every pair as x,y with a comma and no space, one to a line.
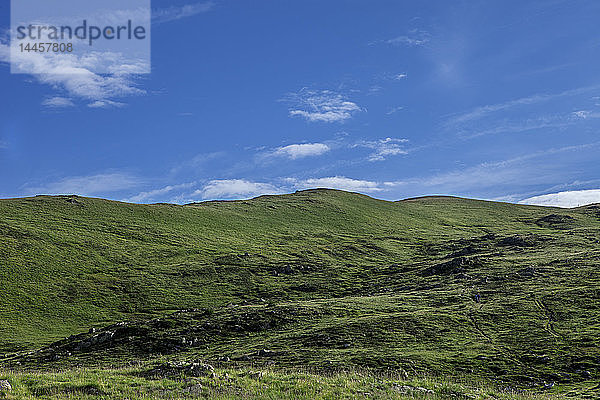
567,199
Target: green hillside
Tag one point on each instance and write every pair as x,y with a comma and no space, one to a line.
318,278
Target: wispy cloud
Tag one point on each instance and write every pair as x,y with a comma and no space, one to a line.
175,13
58,102
106,104
586,114
235,188
415,37
157,193
525,114
338,182
384,148
529,124
394,110
568,199
498,175
294,151
197,162
482,111
86,185
321,106
401,76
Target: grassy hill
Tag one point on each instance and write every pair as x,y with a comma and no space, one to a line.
318,279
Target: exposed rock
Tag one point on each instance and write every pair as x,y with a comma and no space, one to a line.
467,251
528,272
518,241
95,340
455,266
554,221
548,385
73,200
586,374
266,353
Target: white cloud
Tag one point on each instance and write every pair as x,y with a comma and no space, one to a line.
339,182
58,102
295,151
384,148
321,106
156,193
86,185
572,198
175,13
235,188
72,74
399,77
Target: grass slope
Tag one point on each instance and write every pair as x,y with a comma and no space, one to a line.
435,285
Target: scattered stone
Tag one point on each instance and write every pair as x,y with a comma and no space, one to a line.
406,389
5,386
182,368
255,374
424,390
194,389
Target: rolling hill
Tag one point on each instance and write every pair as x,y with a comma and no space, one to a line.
317,279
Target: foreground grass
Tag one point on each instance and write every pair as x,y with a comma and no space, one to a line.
134,384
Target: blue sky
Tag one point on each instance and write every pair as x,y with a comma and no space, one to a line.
494,100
